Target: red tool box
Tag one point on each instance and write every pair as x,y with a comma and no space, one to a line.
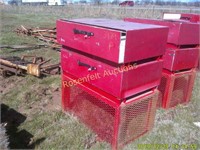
119,80
176,59
182,16
115,122
114,40
176,88
180,32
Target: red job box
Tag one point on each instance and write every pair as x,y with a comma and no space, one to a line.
180,32
176,88
117,123
114,40
176,59
119,80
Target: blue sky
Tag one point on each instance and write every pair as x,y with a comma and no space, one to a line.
183,0
133,0
141,0
153,0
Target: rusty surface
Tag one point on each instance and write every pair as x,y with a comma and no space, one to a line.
36,66
33,69
46,35
12,65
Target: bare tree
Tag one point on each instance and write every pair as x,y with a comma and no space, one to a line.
146,2
159,2
97,2
197,3
115,2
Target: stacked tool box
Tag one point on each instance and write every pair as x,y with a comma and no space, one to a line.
195,18
181,57
111,71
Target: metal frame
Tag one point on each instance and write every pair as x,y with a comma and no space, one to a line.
169,95
121,108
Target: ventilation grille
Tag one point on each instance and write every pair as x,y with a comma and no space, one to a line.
176,88
114,123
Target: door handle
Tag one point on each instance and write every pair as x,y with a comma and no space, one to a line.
90,68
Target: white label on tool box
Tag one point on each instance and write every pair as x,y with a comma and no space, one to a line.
171,16
122,49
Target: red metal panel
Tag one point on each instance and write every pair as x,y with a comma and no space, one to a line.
180,32
176,59
141,44
176,88
120,81
199,61
182,16
117,41
115,123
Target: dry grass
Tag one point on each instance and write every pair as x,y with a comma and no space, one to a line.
78,11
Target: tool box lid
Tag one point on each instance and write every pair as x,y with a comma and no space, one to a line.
114,24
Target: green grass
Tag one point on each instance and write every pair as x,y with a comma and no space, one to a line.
53,129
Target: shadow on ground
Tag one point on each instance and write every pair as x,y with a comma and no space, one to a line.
18,139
